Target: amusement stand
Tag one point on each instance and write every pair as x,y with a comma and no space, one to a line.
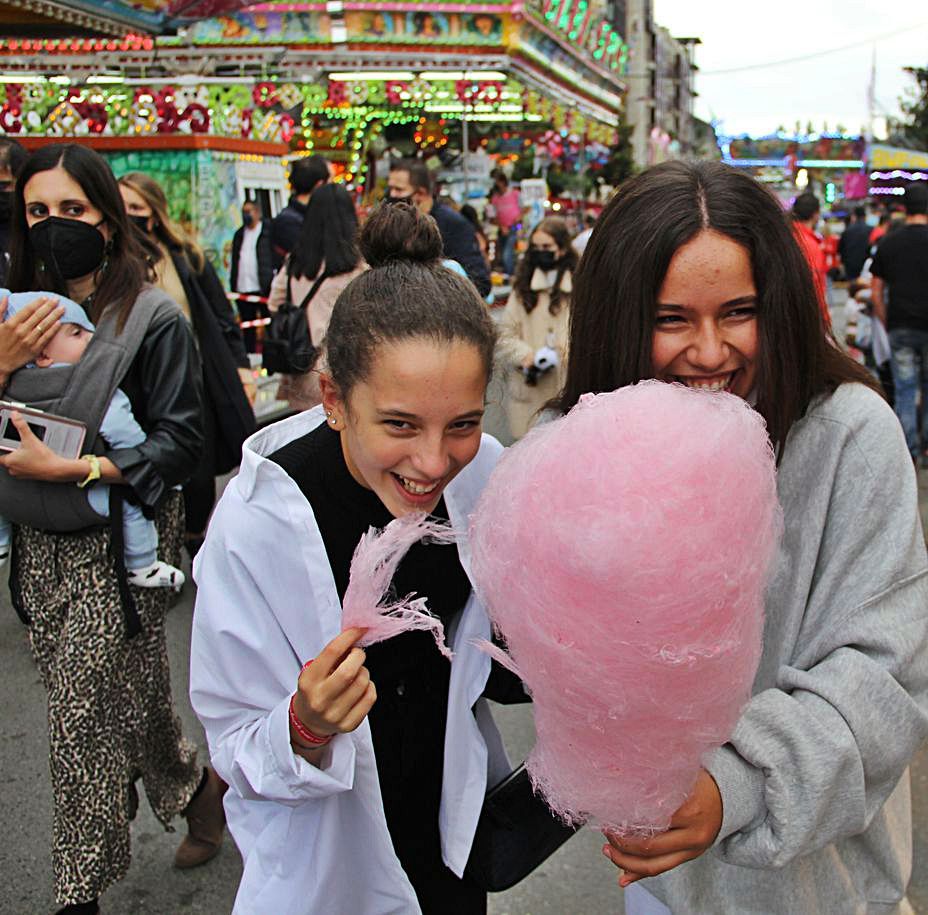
215,97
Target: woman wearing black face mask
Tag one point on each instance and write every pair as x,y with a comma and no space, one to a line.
110,711
12,157
184,273
533,330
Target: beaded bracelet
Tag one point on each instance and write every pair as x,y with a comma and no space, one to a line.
315,740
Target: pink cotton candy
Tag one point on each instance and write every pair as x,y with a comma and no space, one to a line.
372,568
622,552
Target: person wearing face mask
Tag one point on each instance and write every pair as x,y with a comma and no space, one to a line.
252,266
12,157
533,329
410,181
26,333
183,271
110,711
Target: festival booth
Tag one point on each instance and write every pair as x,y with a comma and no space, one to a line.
87,72
215,107
543,76
830,165
892,168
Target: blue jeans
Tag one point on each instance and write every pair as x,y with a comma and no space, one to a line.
508,251
909,349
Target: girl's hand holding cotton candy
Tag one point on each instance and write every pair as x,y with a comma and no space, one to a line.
334,693
692,830
622,552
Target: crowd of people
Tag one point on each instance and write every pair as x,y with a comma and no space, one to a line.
352,779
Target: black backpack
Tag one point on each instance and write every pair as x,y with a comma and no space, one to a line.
287,346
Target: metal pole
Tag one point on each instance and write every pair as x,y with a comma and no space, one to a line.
465,143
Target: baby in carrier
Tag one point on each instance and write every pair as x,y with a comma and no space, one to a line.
119,429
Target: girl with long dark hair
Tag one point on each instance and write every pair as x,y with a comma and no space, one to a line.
535,319
326,250
110,712
692,276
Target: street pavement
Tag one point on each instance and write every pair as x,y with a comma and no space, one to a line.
577,880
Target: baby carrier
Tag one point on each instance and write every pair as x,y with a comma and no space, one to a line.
80,391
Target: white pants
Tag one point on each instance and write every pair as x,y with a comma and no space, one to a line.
638,901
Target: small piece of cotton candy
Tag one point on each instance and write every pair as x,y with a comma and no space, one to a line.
622,552
373,566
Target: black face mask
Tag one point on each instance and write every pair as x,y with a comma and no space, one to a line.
69,248
248,219
6,205
542,260
140,221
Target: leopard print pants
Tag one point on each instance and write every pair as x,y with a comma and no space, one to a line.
110,712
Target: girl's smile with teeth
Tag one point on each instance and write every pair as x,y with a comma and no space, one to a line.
416,488
420,409
717,383
705,324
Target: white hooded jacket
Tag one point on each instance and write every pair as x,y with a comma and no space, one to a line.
314,839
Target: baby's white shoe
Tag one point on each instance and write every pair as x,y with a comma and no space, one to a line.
157,575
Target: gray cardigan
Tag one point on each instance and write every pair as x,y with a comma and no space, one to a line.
814,782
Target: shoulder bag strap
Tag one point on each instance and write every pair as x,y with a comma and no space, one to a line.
313,290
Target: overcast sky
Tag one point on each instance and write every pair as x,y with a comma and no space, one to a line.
826,87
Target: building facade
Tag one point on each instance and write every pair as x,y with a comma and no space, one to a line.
661,93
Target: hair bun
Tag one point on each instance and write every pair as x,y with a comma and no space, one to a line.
399,232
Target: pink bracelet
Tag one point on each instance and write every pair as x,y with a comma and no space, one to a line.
315,740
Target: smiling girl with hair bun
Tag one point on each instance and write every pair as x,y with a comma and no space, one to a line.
356,781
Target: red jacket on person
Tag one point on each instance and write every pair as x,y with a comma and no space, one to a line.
811,245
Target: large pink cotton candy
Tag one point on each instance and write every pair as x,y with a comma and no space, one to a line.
373,564
622,552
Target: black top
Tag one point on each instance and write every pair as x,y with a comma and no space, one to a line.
459,240
164,387
222,353
854,246
412,677
901,261
285,230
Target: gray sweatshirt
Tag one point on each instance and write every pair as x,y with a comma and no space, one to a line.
814,782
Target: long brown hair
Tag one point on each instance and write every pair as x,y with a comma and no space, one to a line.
617,285
165,229
556,227
126,269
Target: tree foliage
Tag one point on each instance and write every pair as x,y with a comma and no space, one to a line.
914,126
621,163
